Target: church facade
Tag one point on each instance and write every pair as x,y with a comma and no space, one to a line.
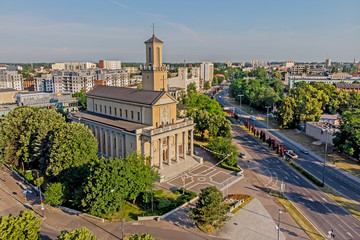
124,120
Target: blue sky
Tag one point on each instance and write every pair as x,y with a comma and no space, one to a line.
195,30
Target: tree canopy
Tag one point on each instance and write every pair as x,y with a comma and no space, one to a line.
210,208
23,226
130,176
78,234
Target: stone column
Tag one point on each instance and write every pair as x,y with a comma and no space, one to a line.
176,147
124,145
117,145
151,153
142,146
112,144
184,145
161,153
101,130
191,142
106,145
169,149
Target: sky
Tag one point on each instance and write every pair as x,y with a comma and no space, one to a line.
194,30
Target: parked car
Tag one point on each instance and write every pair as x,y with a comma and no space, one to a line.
252,117
291,154
303,150
242,155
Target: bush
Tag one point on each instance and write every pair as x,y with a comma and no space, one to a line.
28,176
54,193
78,234
232,168
144,236
307,174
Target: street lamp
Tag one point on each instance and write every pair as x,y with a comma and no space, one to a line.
38,183
267,116
278,236
326,143
240,95
121,213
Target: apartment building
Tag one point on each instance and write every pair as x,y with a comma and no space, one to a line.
206,72
73,80
116,78
11,79
44,83
109,64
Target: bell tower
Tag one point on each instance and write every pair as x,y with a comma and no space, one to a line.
154,74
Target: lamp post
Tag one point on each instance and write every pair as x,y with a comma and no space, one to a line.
267,116
38,183
278,236
121,213
326,143
240,95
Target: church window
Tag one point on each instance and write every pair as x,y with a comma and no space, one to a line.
138,113
120,112
132,115
126,116
110,110
158,57
95,107
100,108
115,109
105,109
149,55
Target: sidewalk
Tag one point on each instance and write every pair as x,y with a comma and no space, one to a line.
13,201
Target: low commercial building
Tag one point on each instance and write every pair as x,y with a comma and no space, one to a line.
322,131
8,95
348,87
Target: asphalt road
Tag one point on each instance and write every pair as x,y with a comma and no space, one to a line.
322,211
334,178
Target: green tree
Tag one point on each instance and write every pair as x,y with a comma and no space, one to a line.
334,69
207,86
82,96
348,139
139,86
191,87
143,236
72,146
210,208
224,147
24,226
78,234
54,193
130,175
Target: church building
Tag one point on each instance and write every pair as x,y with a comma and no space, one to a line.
125,119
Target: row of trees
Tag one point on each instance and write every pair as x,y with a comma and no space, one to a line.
259,92
66,155
308,101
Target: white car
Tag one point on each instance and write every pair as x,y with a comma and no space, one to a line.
252,117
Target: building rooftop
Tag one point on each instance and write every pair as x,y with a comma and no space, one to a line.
153,39
8,90
347,85
140,96
108,120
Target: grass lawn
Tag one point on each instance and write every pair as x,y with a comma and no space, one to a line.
298,217
350,205
163,203
247,199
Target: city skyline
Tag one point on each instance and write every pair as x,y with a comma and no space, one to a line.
216,31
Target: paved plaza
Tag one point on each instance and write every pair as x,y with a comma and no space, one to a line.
202,176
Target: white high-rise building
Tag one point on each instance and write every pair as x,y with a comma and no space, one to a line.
109,64
206,72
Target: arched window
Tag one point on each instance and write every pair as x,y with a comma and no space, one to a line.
158,57
150,56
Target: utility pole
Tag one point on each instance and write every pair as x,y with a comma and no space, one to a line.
240,95
326,143
267,116
278,236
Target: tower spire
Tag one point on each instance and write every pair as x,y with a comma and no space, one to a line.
153,27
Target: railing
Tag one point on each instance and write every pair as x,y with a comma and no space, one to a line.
167,128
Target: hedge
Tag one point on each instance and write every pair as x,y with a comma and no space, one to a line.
307,174
232,168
